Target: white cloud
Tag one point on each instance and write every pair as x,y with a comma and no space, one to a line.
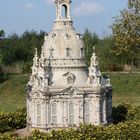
49,1
88,8
30,6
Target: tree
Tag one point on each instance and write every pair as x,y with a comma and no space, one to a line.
126,32
107,59
90,39
10,44
2,34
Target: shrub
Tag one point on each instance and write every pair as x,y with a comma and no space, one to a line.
125,112
26,68
121,131
12,120
7,136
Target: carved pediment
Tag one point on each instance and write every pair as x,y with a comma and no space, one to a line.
72,91
37,95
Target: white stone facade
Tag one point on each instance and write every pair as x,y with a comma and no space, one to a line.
61,93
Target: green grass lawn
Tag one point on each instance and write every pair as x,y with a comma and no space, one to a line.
12,92
126,88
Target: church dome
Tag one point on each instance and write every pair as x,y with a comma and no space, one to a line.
63,44
63,49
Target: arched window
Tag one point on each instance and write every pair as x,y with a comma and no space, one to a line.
86,112
51,52
82,52
53,35
39,80
70,80
38,114
67,36
71,113
54,113
67,52
91,79
64,11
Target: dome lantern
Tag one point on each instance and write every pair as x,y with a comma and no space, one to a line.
63,14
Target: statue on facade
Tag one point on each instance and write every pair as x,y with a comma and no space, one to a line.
94,76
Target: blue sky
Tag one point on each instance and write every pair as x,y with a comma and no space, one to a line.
17,16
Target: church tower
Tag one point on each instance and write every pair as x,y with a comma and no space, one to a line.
62,91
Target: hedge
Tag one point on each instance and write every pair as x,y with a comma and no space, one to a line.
12,120
121,131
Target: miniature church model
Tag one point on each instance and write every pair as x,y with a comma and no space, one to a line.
62,91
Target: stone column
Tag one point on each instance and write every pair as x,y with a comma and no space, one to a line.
110,107
43,114
66,113
49,113
63,112
81,113
104,110
68,11
28,118
76,112
32,111
46,115
97,115
59,113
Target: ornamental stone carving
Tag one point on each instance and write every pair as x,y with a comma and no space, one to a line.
60,92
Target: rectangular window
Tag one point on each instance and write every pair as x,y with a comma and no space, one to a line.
71,113
54,113
86,118
86,112
38,114
71,119
70,80
82,52
51,52
54,119
38,120
67,52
